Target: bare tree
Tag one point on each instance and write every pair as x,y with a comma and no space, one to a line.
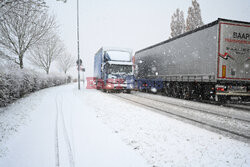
65,62
63,1
44,54
21,28
7,5
178,23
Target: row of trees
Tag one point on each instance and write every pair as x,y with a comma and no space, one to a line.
193,20
28,31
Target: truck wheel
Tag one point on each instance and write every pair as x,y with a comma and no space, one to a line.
98,87
128,91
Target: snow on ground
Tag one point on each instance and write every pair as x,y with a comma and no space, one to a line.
83,141
98,129
165,141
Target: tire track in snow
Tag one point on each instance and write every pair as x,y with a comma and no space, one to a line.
57,157
59,114
237,133
66,137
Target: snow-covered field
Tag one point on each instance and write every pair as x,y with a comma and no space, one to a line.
62,126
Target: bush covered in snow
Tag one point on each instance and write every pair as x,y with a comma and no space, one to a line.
16,82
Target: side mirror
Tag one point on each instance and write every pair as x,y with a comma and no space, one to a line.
105,56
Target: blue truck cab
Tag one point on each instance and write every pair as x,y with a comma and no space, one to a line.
113,69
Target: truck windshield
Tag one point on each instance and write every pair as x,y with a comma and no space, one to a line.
118,56
120,69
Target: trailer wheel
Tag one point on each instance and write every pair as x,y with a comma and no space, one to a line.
207,92
245,98
175,91
186,92
221,98
167,90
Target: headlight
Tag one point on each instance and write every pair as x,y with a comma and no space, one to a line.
154,90
110,76
130,86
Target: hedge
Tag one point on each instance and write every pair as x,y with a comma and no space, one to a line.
16,82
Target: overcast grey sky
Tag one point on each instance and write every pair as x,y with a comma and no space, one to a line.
133,24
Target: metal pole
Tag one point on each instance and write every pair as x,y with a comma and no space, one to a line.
78,47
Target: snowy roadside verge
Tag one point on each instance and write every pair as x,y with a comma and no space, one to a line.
15,116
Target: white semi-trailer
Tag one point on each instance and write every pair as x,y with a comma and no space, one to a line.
212,61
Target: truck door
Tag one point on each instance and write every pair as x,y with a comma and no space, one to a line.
234,51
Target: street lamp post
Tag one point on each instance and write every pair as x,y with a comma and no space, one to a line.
78,47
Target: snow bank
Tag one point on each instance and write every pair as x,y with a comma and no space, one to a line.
16,82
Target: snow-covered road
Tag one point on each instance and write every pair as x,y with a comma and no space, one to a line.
61,129
62,126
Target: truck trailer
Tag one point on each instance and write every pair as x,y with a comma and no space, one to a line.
210,62
113,69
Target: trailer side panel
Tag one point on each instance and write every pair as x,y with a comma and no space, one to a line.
190,58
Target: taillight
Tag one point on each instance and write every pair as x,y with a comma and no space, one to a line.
220,89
